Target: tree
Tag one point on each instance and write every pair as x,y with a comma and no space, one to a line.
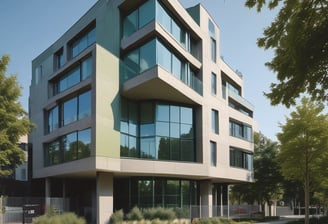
298,36
304,147
13,121
268,180
266,171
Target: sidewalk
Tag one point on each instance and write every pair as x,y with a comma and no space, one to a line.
283,219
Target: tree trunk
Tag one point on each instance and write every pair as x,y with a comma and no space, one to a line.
269,207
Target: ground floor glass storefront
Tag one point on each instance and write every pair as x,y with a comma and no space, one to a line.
146,192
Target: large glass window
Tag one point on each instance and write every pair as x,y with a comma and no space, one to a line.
70,79
53,119
241,130
74,109
154,52
84,105
86,68
163,17
168,23
147,148
73,146
164,57
70,147
139,18
83,42
166,132
157,192
147,53
52,153
130,24
84,143
129,129
69,111
231,86
213,153
74,76
215,121
146,13
241,159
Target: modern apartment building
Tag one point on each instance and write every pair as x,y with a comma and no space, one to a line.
134,106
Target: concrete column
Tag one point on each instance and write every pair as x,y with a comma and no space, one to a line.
104,197
47,194
206,198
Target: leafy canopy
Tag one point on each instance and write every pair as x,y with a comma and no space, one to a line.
13,121
268,180
304,143
304,148
298,36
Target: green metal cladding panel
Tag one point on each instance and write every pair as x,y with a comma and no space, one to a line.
107,134
107,109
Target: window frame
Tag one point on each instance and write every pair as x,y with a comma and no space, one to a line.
215,121
213,151
213,83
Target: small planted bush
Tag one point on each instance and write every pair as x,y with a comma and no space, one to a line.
117,217
65,218
159,213
182,213
217,221
134,214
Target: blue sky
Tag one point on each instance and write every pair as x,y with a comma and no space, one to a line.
29,27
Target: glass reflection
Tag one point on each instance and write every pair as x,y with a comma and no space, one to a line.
160,131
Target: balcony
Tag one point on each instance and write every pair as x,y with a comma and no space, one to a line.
242,101
158,83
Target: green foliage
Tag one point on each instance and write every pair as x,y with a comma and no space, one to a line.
159,213
135,214
268,179
217,221
65,218
181,213
304,141
117,217
298,36
13,121
304,148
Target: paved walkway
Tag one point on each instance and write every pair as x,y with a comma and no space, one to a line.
283,219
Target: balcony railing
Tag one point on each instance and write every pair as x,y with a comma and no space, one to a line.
240,100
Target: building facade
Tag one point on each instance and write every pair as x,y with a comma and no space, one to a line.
134,106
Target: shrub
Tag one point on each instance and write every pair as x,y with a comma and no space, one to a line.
134,214
159,213
217,221
156,221
181,213
117,217
65,218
